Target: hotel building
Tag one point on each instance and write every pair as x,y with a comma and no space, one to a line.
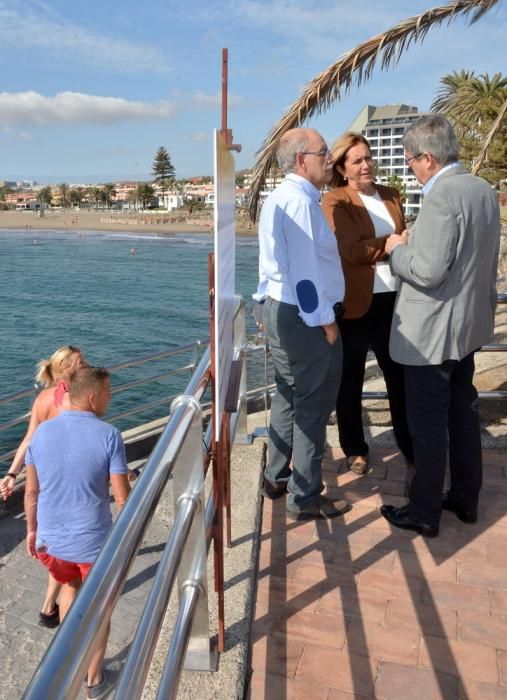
384,127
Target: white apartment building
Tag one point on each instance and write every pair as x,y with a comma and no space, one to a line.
384,127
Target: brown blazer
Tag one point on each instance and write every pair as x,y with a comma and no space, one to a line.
359,248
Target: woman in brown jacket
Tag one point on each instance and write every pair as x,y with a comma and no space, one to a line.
363,214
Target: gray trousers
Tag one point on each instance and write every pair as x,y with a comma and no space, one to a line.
308,373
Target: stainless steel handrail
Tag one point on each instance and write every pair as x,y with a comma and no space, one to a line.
61,671
136,410
157,355
63,667
132,362
21,394
154,378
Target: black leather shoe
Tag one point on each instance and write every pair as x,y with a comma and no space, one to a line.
273,490
400,517
466,515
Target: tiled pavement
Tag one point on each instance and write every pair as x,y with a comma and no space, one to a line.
22,585
353,608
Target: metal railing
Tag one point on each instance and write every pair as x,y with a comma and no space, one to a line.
263,395
194,348
493,347
178,453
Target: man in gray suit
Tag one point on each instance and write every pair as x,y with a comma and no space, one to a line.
444,313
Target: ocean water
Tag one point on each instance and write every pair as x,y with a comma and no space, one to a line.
86,289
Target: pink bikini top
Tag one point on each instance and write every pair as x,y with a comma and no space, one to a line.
60,390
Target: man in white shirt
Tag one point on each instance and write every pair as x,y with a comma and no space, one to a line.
301,289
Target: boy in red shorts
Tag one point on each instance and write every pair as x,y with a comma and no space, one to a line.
69,464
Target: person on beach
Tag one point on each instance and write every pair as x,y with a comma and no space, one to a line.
301,291
445,311
362,215
70,462
54,375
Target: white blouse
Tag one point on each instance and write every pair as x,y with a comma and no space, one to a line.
383,224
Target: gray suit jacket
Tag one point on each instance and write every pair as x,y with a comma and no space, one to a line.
446,302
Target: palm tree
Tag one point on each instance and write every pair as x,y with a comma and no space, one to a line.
396,182
473,104
108,193
145,193
495,129
4,191
63,191
96,195
132,198
45,197
76,196
356,66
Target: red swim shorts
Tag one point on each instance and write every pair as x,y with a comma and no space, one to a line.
64,571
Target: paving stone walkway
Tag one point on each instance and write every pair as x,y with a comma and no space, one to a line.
353,608
23,583
22,586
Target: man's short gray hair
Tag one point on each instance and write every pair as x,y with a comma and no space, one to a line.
291,143
432,134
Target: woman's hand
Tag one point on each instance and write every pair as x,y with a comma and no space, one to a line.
7,487
394,239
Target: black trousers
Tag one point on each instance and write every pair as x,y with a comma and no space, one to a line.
443,415
358,335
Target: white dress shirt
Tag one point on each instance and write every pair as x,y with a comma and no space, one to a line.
299,262
427,187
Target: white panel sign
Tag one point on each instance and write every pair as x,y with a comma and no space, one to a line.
225,262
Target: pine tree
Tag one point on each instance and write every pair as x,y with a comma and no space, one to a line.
162,170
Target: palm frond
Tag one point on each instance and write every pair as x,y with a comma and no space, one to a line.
356,66
489,139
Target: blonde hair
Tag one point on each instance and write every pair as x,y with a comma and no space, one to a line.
51,371
340,148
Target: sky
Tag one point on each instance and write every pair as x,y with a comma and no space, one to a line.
91,89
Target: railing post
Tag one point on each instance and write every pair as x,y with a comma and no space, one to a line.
188,481
241,436
263,431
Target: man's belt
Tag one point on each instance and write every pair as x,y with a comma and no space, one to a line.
339,310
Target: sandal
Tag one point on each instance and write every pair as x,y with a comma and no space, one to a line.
50,620
358,464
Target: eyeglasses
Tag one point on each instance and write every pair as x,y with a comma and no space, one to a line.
408,160
323,153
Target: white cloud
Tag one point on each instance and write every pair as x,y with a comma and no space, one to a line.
204,101
27,25
12,135
200,137
325,31
34,109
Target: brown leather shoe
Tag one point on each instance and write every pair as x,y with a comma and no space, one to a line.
358,464
323,509
273,490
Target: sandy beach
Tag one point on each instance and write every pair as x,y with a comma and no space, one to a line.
163,223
